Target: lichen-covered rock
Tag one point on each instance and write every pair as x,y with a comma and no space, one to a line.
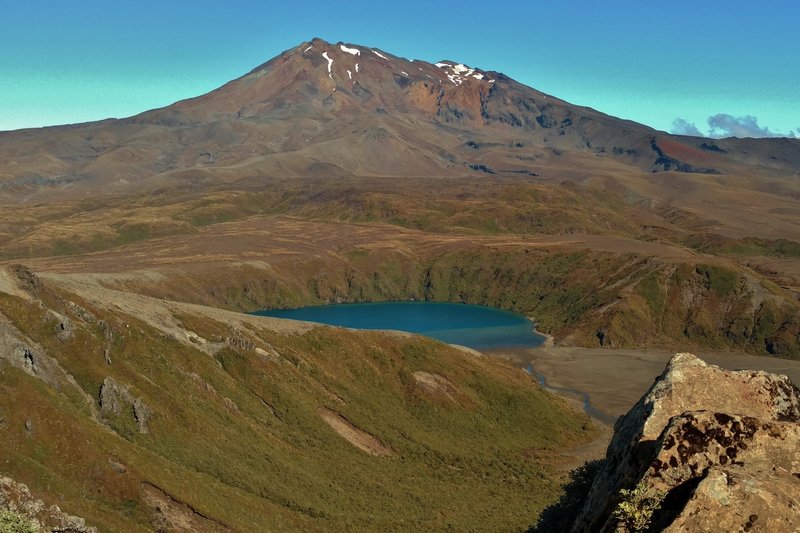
696,441
16,498
751,418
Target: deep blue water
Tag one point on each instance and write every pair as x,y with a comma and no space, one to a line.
474,326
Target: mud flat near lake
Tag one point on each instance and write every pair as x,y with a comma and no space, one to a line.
616,379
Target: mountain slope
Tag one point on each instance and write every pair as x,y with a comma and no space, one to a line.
321,109
137,414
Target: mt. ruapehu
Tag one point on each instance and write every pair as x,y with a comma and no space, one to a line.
345,110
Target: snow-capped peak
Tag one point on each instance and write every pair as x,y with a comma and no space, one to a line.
463,69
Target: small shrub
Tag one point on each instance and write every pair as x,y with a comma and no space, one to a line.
635,511
11,522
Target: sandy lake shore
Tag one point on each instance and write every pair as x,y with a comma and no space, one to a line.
616,379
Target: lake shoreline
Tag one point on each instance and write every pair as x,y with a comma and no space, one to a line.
615,379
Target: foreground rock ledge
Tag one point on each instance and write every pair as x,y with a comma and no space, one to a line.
33,514
723,446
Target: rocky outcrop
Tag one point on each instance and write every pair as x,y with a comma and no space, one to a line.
23,353
713,447
25,278
20,511
116,398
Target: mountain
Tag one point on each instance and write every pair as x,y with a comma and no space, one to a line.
343,110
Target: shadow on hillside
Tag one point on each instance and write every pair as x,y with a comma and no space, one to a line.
560,515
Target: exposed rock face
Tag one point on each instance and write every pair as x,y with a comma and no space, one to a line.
710,439
16,498
115,398
754,500
23,353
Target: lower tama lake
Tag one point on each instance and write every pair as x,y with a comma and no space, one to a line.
474,326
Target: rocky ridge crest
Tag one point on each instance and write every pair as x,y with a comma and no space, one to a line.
714,450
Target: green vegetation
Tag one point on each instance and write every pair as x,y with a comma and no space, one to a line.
651,289
610,298
11,522
238,435
720,280
636,509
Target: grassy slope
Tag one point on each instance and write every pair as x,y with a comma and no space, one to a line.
237,436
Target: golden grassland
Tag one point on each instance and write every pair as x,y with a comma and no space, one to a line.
593,267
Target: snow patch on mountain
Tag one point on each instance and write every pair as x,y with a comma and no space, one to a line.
330,64
380,55
460,72
356,67
353,51
307,49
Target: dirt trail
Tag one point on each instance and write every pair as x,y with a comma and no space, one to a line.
355,436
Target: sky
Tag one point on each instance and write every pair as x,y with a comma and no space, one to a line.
701,66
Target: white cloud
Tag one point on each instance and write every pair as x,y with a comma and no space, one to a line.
723,125
684,127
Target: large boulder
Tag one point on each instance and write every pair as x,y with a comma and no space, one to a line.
696,421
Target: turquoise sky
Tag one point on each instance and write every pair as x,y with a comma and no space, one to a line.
653,62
